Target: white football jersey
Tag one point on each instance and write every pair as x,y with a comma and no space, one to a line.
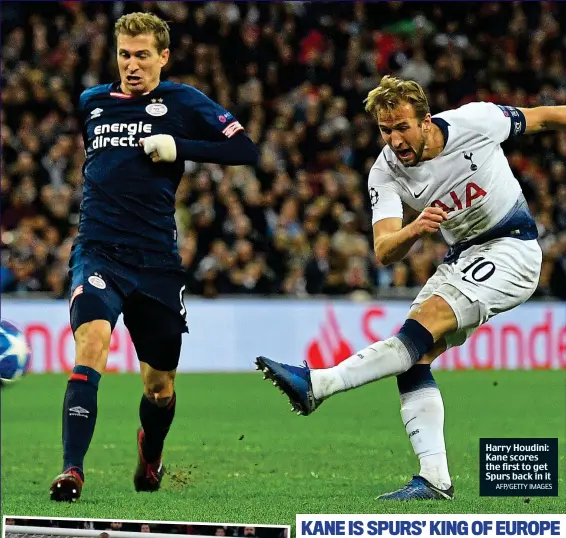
470,179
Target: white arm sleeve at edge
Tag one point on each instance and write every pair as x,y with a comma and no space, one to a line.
489,119
385,202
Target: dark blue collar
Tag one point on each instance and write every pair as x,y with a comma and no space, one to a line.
443,126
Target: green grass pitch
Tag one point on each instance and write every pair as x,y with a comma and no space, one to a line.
237,454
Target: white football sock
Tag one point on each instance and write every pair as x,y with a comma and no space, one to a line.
422,411
381,359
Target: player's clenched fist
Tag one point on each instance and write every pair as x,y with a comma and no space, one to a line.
160,147
429,221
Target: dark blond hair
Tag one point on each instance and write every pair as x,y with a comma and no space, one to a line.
139,23
393,92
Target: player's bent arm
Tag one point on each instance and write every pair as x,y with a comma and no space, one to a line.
544,118
392,242
234,151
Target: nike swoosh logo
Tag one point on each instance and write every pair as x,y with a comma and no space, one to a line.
417,195
410,421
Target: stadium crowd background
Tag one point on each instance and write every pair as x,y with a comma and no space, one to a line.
295,74
232,531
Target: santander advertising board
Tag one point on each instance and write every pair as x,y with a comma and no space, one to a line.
226,335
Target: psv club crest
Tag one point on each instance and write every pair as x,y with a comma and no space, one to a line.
156,108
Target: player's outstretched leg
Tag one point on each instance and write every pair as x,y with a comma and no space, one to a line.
422,411
307,388
79,419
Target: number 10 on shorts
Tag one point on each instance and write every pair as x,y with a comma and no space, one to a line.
479,270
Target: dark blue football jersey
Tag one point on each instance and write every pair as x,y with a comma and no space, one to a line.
127,198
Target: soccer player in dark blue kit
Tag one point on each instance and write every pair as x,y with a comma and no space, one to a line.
137,134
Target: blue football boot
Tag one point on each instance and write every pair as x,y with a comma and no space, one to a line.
419,489
294,381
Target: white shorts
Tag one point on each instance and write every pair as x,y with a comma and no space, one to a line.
487,279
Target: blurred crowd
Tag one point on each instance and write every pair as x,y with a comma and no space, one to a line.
295,74
109,528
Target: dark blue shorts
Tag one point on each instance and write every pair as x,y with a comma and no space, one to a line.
147,287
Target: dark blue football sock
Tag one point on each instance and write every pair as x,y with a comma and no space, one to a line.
155,421
79,416
415,378
416,338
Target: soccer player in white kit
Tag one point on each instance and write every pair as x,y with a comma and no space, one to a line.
450,167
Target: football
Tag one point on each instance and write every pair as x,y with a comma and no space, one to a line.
14,353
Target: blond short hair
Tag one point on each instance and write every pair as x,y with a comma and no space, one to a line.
138,23
393,92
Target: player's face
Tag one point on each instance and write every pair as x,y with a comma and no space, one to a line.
404,134
139,63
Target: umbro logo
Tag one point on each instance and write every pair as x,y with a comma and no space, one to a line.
78,411
96,113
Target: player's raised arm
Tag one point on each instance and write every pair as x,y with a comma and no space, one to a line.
223,140
500,122
544,118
